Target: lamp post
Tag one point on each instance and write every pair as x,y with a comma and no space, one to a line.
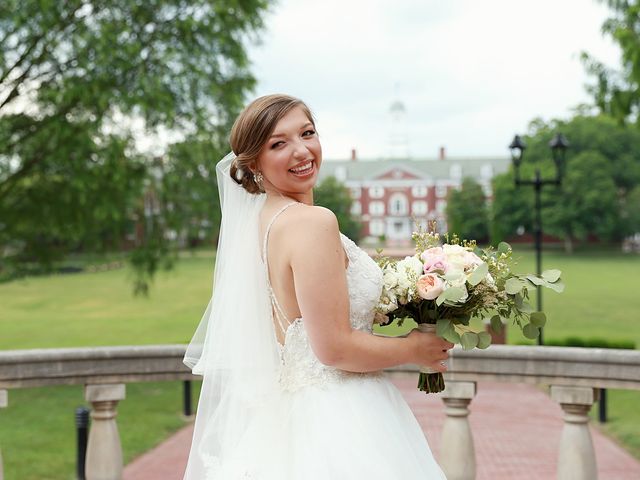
558,145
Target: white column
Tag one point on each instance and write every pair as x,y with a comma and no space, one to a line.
104,453
457,453
576,459
4,401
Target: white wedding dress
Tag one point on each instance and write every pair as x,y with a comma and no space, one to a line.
330,424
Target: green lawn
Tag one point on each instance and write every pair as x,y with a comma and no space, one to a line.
99,308
36,431
37,435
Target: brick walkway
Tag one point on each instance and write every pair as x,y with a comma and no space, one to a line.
516,430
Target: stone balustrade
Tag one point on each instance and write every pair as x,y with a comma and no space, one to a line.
574,375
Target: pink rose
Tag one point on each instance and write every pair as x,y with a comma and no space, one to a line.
472,259
436,262
431,252
429,286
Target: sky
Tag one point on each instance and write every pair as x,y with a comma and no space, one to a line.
469,73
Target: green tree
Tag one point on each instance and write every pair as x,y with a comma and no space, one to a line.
74,76
188,189
510,210
617,92
631,210
602,167
332,194
586,204
467,213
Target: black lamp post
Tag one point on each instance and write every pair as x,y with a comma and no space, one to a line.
558,147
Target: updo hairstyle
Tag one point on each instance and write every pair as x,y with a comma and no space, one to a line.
252,129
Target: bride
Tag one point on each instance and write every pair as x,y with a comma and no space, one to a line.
292,384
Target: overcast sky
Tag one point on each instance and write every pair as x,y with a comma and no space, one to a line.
470,73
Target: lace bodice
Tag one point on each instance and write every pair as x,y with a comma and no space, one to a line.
299,365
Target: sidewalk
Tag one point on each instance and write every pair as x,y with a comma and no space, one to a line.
516,430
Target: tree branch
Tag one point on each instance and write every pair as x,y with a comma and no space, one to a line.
62,26
23,57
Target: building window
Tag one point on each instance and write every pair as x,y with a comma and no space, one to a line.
419,191
397,226
356,208
419,207
376,192
376,228
441,205
376,208
441,191
486,171
398,204
355,192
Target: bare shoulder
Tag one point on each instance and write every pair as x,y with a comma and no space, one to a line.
312,221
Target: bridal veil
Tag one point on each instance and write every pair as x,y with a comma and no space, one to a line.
234,347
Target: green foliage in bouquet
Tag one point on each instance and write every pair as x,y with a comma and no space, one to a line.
446,283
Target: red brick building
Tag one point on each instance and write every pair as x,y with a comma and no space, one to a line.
389,194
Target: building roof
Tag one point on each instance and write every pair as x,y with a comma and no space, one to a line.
456,168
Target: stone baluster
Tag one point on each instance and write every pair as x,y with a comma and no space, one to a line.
4,401
457,453
104,453
576,459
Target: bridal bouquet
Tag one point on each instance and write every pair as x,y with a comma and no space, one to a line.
445,284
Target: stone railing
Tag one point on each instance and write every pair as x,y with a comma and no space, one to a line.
574,374
103,371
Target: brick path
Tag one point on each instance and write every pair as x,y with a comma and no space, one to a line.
516,430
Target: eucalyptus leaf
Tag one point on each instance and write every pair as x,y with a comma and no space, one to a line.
513,285
530,331
478,274
469,340
503,247
462,320
452,336
556,286
496,324
443,325
551,275
452,294
538,319
536,280
518,300
484,340
526,307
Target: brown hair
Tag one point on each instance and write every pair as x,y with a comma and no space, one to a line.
252,129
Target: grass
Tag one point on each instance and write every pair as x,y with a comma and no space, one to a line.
94,309
38,428
37,435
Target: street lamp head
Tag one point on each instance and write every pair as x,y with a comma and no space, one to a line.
517,148
559,145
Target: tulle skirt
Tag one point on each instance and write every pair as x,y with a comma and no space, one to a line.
360,429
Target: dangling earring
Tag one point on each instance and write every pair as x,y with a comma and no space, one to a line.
258,179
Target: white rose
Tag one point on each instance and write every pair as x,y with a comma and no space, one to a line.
390,278
411,264
388,303
404,281
453,250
